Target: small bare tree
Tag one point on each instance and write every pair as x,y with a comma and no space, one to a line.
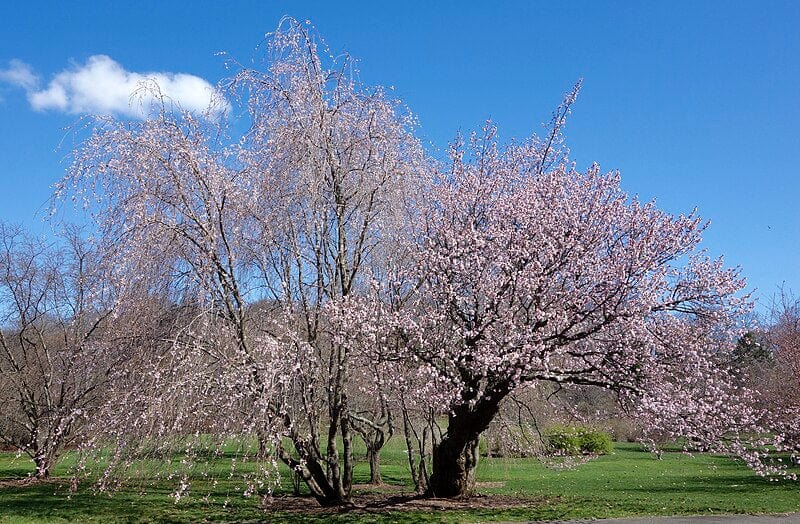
54,358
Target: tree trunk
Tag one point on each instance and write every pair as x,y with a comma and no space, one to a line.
454,463
456,456
346,485
374,459
412,464
325,492
418,474
43,466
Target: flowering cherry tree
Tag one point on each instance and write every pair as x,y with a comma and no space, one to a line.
530,271
335,163
260,233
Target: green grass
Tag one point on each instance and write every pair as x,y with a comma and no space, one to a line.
628,482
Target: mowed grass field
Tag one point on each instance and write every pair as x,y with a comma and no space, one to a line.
629,482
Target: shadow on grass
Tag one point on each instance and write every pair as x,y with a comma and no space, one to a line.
52,501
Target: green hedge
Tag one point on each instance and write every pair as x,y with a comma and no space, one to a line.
577,440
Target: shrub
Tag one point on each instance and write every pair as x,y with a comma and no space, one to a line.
577,440
596,442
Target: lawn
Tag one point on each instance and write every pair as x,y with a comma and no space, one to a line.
628,482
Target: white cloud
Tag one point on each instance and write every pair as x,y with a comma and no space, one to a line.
102,86
19,74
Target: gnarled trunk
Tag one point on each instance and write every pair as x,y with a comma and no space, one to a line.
456,456
329,476
454,463
322,487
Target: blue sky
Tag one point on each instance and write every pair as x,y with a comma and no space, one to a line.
697,103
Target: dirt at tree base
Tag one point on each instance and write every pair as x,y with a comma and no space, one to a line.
394,498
